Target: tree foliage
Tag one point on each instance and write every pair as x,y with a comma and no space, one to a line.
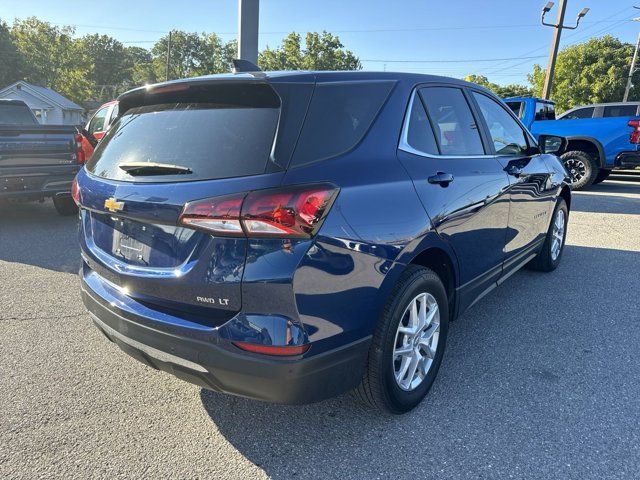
322,51
591,72
9,57
503,91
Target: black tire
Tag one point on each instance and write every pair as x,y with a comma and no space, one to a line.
602,176
65,205
379,388
582,168
545,261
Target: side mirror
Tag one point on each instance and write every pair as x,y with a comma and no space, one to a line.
552,144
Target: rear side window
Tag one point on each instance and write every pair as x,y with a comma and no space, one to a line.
211,141
586,112
12,114
339,116
419,133
455,128
516,107
620,110
545,111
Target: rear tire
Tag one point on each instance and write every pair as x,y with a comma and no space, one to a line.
65,206
602,176
582,168
382,386
550,255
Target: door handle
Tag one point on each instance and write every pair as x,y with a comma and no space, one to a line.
441,178
513,170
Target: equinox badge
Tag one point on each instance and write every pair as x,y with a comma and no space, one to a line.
113,205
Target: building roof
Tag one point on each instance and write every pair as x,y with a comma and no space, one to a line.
47,94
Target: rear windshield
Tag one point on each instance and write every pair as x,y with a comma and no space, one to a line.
516,107
210,141
16,115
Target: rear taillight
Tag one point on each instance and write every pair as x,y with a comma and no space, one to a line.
291,212
80,156
635,135
75,191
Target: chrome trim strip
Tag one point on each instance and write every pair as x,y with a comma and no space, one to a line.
404,143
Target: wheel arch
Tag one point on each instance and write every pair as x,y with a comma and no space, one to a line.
588,145
565,193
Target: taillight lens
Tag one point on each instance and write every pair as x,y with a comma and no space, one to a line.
80,156
75,192
292,212
218,215
281,351
635,135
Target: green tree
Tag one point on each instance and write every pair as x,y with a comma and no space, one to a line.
105,63
139,66
49,56
9,57
322,51
192,54
590,72
503,91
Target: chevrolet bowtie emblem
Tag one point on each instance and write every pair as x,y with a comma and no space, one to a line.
113,205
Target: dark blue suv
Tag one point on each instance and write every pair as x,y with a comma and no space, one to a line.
291,236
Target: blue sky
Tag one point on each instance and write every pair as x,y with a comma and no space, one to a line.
451,38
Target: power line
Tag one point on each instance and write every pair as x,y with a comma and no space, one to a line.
450,61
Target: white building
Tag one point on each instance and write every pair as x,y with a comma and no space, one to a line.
48,105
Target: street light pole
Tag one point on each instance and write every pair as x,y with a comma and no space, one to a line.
166,70
248,16
555,44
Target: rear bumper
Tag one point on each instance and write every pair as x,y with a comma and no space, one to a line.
627,160
216,364
36,182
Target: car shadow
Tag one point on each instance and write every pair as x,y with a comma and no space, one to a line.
521,378
34,234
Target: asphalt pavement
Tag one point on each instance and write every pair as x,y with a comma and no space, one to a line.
541,379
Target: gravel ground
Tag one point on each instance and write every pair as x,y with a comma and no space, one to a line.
540,379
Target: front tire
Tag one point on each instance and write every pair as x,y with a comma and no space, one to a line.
65,205
582,168
551,253
408,343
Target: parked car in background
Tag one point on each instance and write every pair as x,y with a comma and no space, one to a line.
37,161
602,110
290,236
600,137
98,124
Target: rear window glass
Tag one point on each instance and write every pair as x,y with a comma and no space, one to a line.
620,110
210,141
419,133
578,114
545,111
16,115
516,107
455,128
339,116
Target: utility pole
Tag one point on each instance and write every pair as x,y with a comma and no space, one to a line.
248,16
555,44
632,70
168,58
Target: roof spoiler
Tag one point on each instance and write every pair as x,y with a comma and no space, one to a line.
240,65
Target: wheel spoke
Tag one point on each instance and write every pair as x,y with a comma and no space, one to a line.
402,351
414,321
411,371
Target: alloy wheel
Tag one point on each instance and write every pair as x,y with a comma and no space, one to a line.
576,168
557,234
416,341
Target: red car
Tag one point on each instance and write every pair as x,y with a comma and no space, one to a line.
99,124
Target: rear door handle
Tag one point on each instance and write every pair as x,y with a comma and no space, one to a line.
441,178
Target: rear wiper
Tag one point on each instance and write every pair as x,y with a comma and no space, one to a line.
151,168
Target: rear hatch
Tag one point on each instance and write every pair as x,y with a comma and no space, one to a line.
37,145
172,145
